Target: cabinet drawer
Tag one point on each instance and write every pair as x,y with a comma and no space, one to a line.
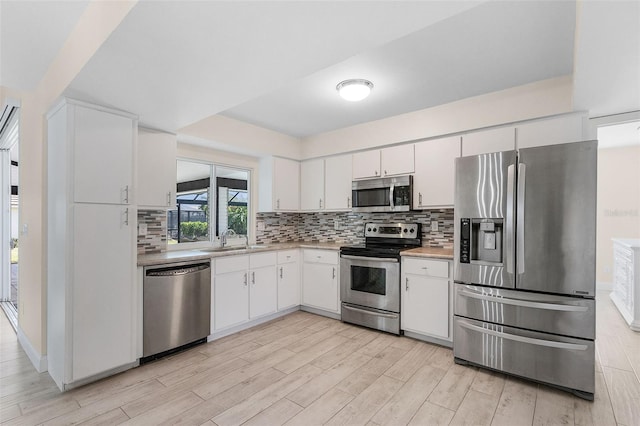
288,256
231,264
432,268
321,256
263,259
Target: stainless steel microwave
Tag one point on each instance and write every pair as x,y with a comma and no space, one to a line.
391,194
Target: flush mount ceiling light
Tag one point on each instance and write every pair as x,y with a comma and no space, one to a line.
355,89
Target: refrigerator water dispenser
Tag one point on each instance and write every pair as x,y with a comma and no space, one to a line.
481,241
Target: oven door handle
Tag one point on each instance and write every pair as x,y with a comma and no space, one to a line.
370,259
364,311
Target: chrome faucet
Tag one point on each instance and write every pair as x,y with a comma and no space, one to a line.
223,236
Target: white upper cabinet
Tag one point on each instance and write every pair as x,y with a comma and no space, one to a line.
366,164
565,129
312,186
279,185
433,181
102,156
483,142
156,169
397,160
337,182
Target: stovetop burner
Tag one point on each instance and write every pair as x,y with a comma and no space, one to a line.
386,240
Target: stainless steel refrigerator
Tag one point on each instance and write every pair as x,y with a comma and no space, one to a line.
524,263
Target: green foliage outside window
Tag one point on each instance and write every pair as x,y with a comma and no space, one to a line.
194,230
237,219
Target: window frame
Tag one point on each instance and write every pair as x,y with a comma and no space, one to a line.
212,198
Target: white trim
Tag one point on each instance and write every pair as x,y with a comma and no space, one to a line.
39,361
252,323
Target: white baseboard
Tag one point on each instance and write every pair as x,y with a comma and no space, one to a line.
38,360
603,285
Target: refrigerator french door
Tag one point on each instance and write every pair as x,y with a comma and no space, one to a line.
524,263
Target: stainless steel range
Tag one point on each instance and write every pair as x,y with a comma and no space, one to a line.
370,275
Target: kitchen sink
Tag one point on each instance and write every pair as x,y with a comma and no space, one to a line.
232,248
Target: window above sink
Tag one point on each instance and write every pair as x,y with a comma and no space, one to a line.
211,201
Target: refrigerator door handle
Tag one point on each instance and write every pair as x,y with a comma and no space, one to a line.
509,225
524,303
523,339
522,169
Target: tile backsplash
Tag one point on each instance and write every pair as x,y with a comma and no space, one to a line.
156,239
331,227
348,227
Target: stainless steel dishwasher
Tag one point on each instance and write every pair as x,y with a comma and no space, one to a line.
176,307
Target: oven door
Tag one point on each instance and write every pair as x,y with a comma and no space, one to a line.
371,282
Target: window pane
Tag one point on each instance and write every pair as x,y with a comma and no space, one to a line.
232,201
189,222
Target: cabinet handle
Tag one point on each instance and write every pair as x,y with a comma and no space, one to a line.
320,202
253,278
420,198
169,198
125,197
334,273
278,203
126,217
281,272
349,202
385,172
425,267
406,283
245,279
376,173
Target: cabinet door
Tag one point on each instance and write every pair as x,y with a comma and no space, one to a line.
312,185
286,182
288,285
425,305
320,286
156,169
487,141
398,160
103,290
337,182
263,291
551,131
366,164
231,299
433,181
103,157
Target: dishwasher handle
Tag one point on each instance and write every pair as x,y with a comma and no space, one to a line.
177,270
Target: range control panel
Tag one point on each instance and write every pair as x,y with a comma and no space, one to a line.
392,230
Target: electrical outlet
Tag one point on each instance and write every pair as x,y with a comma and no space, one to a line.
434,225
142,229
336,224
260,225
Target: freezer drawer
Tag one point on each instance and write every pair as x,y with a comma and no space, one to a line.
560,361
568,316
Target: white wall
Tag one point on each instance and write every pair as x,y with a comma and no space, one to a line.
618,203
543,98
607,57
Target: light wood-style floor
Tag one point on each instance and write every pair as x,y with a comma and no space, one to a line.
303,369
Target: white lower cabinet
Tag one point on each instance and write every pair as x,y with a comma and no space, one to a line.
320,280
288,279
426,303
245,287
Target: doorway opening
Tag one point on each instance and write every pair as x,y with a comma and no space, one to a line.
9,199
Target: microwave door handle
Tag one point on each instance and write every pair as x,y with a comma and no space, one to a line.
391,189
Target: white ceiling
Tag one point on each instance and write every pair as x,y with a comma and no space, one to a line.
31,34
276,64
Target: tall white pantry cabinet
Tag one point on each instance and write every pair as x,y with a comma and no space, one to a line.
91,241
